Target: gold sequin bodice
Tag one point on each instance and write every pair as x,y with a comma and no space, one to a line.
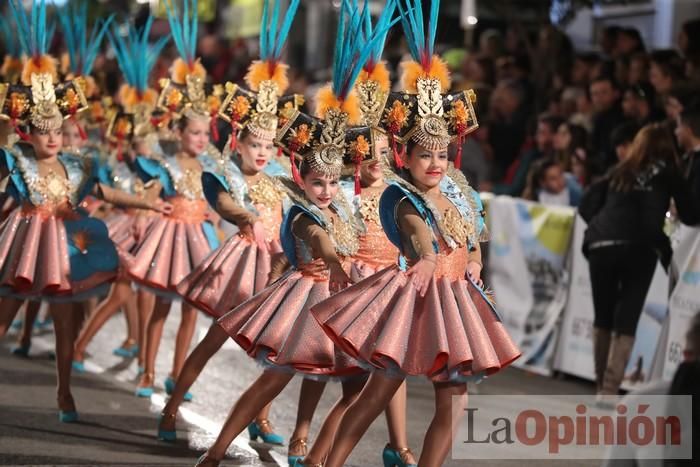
267,197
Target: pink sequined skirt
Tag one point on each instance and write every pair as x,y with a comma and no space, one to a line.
169,251
230,275
120,224
277,328
35,260
451,334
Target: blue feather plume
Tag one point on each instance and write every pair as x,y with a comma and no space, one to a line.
135,55
420,44
184,29
272,35
82,48
384,19
32,30
354,45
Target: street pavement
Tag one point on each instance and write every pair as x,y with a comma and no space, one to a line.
116,428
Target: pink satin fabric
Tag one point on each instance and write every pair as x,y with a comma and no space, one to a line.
277,323
172,247
229,276
34,258
376,252
449,334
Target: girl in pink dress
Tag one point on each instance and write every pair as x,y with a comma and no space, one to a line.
243,192
427,315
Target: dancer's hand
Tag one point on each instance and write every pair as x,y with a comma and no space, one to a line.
162,207
259,235
422,273
338,279
474,273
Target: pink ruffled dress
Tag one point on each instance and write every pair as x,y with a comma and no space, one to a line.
238,269
175,244
453,333
276,326
49,249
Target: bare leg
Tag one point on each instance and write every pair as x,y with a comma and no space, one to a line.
324,439
8,310
188,321
31,311
359,416
309,397
261,392
82,314
450,402
396,423
146,303
117,297
131,314
264,413
194,364
153,334
63,315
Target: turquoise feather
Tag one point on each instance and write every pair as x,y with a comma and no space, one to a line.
420,44
82,50
184,30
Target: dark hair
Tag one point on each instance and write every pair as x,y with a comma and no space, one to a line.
670,63
685,92
645,91
535,176
304,169
633,33
542,166
606,77
692,31
182,123
552,121
624,134
690,117
579,137
652,144
693,333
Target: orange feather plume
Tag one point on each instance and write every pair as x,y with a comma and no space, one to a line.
129,96
379,73
42,64
260,71
326,100
180,69
411,71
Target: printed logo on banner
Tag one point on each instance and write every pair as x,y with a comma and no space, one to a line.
692,275
559,427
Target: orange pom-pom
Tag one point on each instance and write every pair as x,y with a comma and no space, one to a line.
127,95
42,64
150,97
378,73
326,100
180,69
411,71
259,71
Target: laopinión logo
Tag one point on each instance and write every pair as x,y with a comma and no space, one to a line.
572,427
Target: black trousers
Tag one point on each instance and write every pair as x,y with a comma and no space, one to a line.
620,279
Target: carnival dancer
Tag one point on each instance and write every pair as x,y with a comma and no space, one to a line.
241,192
49,250
174,245
422,317
319,236
130,129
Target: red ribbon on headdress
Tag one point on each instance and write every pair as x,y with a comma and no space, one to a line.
81,130
397,156
234,136
296,176
214,129
18,130
458,157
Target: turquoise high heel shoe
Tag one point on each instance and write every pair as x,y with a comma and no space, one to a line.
79,367
170,388
169,436
263,429
21,350
145,387
299,445
67,416
16,325
127,351
396,458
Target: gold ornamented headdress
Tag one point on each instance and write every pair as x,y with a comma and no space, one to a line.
424,112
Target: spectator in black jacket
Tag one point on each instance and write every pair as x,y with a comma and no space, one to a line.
688,135
605,97
625,212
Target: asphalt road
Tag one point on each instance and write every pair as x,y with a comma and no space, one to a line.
116,428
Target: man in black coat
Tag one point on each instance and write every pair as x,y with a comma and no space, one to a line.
605,97
688,135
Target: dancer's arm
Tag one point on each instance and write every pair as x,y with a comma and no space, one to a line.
127,200
322,247
419,238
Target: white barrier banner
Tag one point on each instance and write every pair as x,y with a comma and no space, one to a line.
575,352
528,252
685,298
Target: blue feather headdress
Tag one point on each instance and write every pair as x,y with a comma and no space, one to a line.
272,40
34,37
136,58
82,46
184,31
